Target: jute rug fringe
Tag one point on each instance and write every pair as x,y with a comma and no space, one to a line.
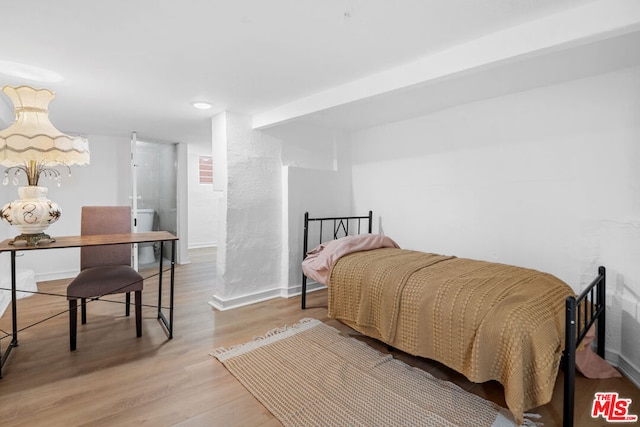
222,353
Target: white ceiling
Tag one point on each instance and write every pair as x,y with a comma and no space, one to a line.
136,65
581,61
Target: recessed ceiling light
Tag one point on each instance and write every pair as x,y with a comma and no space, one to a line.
201,105
28,72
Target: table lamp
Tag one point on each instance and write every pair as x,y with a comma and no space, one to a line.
33,146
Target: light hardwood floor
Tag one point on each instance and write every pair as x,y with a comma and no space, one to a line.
115,379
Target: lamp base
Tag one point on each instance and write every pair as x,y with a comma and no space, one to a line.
31,214
31,239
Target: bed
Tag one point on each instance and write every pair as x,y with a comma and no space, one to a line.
486,320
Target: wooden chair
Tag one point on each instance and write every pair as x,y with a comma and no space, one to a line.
104,270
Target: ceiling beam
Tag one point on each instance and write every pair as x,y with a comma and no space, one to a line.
586,24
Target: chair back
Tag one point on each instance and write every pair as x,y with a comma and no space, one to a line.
105,220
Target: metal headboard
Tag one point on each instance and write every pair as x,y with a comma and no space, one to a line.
339,227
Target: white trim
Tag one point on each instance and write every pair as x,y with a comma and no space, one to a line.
284,209
625,367
133,159
228,304
182,192
203,245
56,275
241,301
297,290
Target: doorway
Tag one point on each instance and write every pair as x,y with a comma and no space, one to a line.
154,195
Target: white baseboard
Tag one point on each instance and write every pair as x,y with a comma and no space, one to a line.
228,304
297,290
202,245
222,304
624,366
56,275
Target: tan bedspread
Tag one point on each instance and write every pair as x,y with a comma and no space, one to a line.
485,320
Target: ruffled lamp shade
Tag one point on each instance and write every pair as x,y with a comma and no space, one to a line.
34,146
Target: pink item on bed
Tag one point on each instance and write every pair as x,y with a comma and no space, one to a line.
319,261
589,363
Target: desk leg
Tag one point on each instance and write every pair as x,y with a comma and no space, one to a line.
14,314
160,282
167,323
173,265
14,299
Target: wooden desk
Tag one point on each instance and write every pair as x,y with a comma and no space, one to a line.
96,240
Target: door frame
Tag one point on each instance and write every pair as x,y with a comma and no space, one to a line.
182,253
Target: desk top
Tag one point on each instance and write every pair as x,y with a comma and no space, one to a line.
95,240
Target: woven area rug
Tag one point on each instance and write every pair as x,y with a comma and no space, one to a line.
310,375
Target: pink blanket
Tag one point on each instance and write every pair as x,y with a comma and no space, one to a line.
319,261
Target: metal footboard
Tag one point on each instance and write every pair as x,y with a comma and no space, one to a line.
581,313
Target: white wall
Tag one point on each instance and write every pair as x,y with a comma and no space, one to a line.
322,193
267,180
316,179
106,181
203,202
250,244
546,179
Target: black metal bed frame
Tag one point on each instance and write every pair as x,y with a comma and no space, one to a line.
582,311
340,229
